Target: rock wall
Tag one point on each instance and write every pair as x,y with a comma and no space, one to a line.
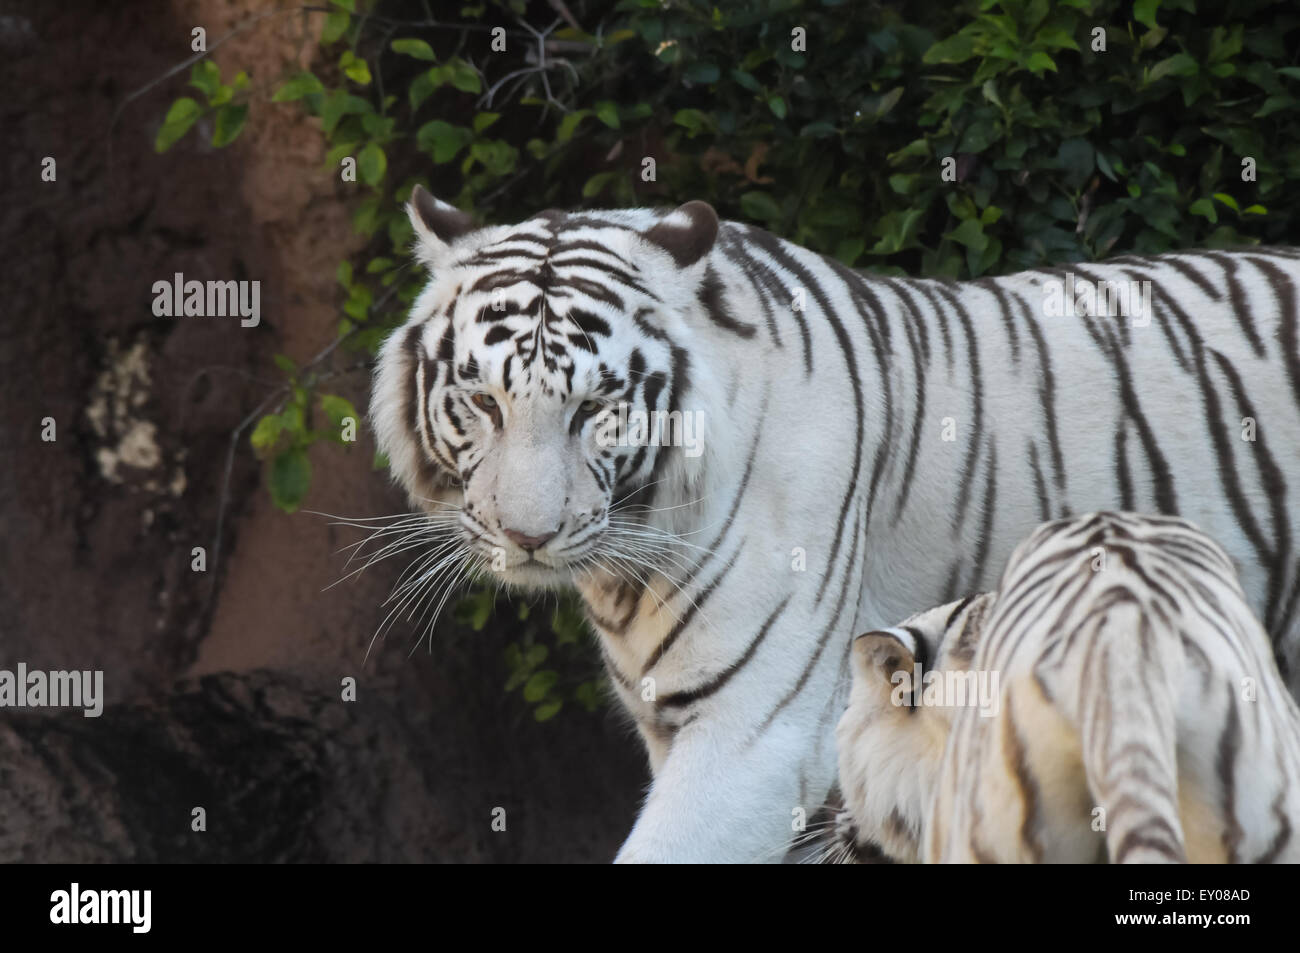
223,688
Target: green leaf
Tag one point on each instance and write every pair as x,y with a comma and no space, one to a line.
539,684
1144,12
568,624
337,409
497,156
607,112
888,101
818,129
917,148
285,363
596,184
1204,208
355,68
956,49
177,122
1055,37
411,46
569,124
1180,64
760,206
336,24
463,76
850,250
693,120
267,432
548,710
979,135
1040,62
296,88
1274,104
442,139
746,80
229,123
206,76
372,164
424,86
292,418
777,105
290,479
1227,200
358,304
484,120
971,234
339,103
897,231
903,184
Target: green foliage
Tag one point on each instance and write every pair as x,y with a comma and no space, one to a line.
283,437
226,110
548,665
926,137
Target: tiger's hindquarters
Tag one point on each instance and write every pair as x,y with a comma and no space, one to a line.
1128,734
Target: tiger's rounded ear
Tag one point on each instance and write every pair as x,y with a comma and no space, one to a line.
883,652
687,232
436,225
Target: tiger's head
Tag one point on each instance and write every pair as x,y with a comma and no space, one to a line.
525,386
891,743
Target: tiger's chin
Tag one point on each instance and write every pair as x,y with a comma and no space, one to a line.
535,576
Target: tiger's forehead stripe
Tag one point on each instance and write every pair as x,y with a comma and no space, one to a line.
550,290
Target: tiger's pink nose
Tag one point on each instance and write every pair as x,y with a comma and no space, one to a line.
529,543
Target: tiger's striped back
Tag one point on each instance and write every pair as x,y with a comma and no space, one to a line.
1140,714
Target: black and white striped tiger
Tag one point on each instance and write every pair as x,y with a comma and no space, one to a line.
819,452
1114,699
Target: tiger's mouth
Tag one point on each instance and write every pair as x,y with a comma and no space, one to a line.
552,566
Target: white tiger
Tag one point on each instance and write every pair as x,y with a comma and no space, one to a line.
839,449
1135,713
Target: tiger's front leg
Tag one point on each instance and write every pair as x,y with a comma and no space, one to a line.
728,793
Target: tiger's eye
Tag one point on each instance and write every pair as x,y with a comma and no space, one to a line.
589,406
486,401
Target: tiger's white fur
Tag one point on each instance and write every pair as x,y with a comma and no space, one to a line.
828,499
1140,715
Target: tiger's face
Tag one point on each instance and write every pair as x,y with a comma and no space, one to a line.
518,388
890,744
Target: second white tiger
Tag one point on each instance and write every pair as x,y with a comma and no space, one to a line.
1119,701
